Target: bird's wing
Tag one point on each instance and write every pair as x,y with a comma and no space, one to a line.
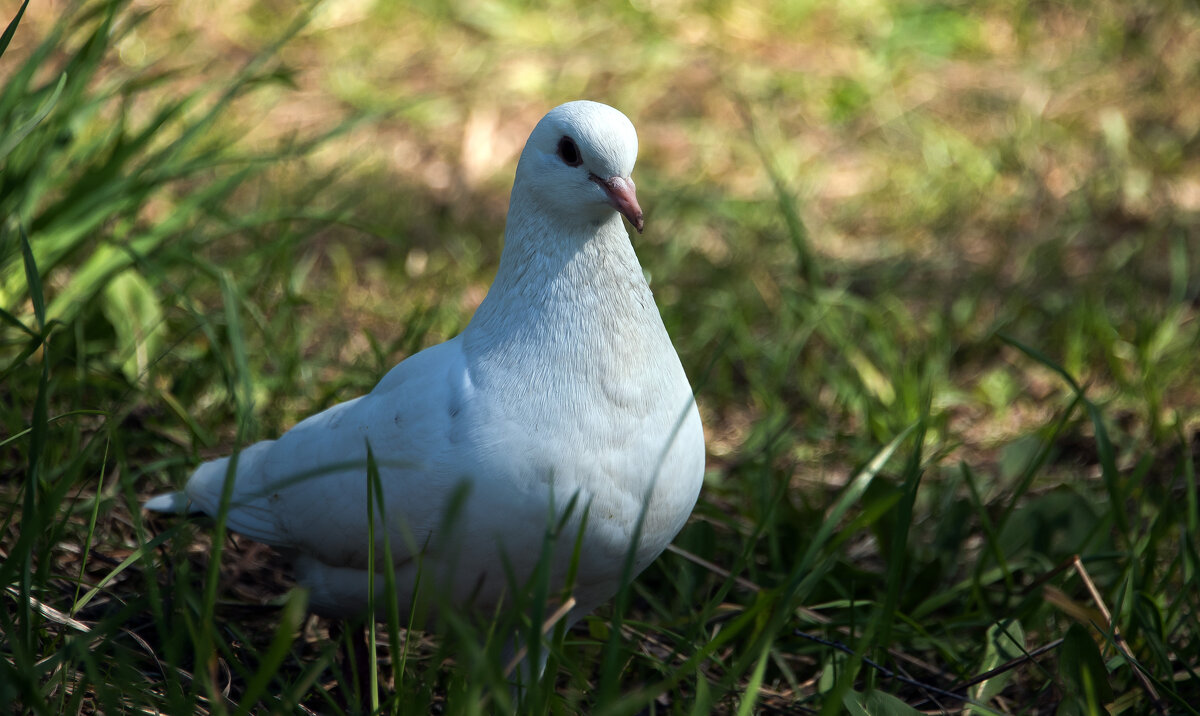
308,490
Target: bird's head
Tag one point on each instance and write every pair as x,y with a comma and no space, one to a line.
577,164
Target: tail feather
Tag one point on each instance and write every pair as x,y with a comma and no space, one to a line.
250,509
172,503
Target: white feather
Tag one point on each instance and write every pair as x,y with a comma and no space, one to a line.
565,384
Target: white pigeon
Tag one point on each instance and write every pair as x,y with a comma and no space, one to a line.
563,388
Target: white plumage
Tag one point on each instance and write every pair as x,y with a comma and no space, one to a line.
565,384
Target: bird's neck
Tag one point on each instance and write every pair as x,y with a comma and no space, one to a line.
574,293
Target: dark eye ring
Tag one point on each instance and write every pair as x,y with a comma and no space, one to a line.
568,152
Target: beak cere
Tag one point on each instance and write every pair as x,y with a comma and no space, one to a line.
623,197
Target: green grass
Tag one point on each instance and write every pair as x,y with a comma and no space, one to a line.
931,269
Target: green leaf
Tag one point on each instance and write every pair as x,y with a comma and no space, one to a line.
872,378
1005,642
1082,669
12,28
15,137
876,703
133,308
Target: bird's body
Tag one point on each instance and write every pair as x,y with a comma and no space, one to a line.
564,388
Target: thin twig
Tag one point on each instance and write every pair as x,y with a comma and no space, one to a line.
888,673
1059,569
1006,666
1009,665
1118,639
714,568
740,581
546,627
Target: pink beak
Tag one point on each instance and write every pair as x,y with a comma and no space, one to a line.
623,196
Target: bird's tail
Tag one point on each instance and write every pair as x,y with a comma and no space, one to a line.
250,510
171,503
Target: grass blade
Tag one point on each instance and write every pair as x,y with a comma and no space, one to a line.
11,141
11,29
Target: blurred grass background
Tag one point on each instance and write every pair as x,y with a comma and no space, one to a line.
965,233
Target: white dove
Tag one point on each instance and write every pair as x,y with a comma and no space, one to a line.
563,389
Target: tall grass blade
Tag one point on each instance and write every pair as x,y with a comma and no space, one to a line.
796,230
372,570
1104,448
91,531
34,280
11,29
15,137
134,557
850,497
291,618
390,592
17,436
750,694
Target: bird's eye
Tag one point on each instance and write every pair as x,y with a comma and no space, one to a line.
568,152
